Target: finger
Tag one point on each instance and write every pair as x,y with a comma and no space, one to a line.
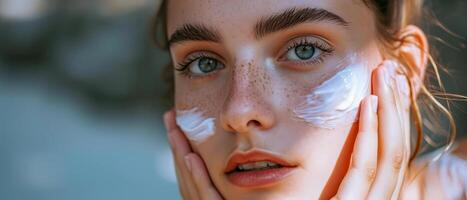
182,184
391,139
180,148
362,169
205,188
169,117
401,92
179,143
169,120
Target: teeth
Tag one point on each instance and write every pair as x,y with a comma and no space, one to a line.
257,165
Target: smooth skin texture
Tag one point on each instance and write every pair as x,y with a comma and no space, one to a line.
251,97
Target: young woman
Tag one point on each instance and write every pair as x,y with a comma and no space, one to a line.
302,99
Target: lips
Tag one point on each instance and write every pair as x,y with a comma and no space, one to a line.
257,169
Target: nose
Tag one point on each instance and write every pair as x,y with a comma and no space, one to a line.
246,107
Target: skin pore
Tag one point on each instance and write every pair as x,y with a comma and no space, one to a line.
252,82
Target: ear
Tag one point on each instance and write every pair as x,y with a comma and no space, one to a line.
413,50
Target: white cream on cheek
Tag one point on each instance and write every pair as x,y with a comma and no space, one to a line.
336,101
196,127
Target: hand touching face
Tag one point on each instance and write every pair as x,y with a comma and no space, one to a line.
245,67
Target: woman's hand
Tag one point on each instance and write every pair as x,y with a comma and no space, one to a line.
382,147
192,176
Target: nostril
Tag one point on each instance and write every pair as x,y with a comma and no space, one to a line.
238,119
254,123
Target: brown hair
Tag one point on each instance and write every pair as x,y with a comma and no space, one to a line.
428,113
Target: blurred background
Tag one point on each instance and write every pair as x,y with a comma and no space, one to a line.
81,98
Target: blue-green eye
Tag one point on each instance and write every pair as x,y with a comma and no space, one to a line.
302,52
306,50
204,65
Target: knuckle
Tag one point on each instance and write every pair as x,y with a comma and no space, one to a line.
367,170
370,174
397,160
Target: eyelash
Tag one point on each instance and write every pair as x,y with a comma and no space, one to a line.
326,48
182,66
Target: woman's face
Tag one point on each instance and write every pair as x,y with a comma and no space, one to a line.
282,78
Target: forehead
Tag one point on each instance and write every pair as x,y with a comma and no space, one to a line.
241,15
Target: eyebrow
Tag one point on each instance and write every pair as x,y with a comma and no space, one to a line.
294,16
283,20
195,32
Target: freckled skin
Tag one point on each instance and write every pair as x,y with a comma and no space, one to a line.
249,90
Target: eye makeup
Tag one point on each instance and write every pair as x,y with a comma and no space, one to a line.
196,127
335,101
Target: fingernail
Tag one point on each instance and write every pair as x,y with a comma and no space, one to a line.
188,162
374,103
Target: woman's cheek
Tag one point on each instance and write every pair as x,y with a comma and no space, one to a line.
196,126
197,108
335,101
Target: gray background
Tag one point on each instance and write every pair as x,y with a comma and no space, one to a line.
81,98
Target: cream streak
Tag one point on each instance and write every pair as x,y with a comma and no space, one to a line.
336,101
194,125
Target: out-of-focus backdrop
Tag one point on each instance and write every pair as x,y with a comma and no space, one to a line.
81,98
